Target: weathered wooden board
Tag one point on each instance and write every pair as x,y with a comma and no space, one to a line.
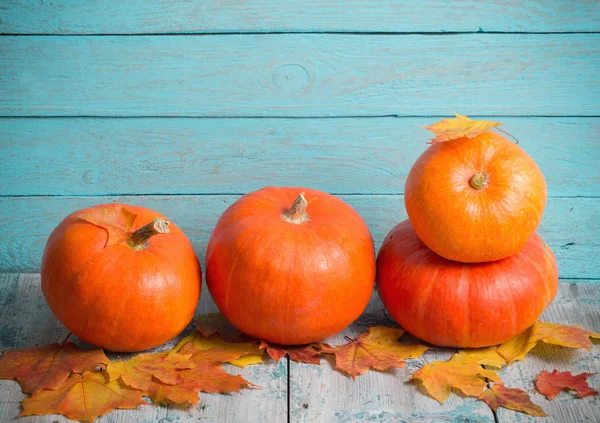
27,321
570,225
189,16
300,75
575,304
322,394
100,156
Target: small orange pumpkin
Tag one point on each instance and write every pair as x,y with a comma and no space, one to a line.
463,305
290,275
130,296
475,199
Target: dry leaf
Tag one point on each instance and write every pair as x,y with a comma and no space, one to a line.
513,399
217,323
138,371
114,218
48,367
83,397
207,376
248,353
551,384
459,127
550,333
462,372
306,354
486,356
377,349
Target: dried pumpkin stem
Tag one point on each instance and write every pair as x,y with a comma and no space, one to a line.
140,237
479,181
297,213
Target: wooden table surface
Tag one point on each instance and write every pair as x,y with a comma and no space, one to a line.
182,106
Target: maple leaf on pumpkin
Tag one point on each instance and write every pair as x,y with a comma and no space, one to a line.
550,333
248,353
377,349
305,354
217,323
83,397
207,375
114,218
513,399
459,127
49,366
487,356
551,384
138,371
461,372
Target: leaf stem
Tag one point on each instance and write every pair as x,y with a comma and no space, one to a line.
66,339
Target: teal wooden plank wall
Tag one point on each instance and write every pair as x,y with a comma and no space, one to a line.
183,106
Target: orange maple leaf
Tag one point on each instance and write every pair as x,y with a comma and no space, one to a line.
207,376
551,384
513,399
550,333
307,354
462,372
377,349
114,218
83,397
49,366
459,127
217,323
138,371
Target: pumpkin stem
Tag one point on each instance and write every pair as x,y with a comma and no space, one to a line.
139,238
479,181
297,213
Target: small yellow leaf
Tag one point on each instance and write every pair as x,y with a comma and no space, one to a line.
249,353
459,127
462,372
486,356
550,333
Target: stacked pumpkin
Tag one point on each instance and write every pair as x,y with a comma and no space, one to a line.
468,269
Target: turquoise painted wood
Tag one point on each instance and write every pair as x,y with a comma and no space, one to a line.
570,225
208,16
300,75
92,156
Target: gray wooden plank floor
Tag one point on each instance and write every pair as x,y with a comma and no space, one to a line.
320,393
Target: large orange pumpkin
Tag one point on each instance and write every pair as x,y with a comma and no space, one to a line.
130,296
475,199
290,265
465,305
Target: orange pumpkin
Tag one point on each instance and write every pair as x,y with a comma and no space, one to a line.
290,275
464,305
475,199
130,296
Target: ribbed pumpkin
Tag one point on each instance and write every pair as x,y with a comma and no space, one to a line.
475,199
463,305
130,296
290,265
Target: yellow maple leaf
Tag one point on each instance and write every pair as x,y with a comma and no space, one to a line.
249,353
459,127
462,372
550,333
487,356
